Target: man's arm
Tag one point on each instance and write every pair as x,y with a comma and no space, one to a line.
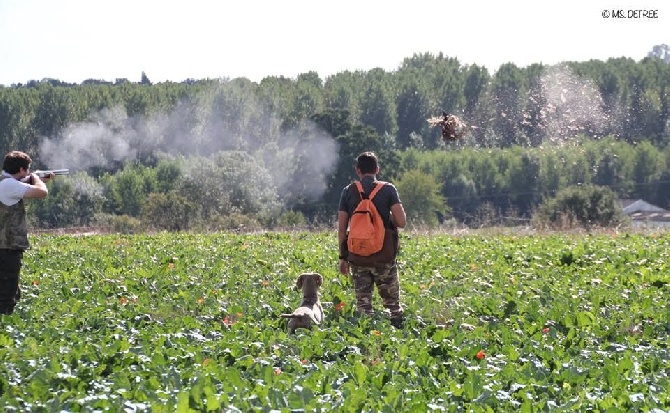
342,224
398,217
38,189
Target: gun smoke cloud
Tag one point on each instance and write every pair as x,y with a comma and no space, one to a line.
106,138
222,118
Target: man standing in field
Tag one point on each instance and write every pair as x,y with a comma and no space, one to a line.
368,274
16,184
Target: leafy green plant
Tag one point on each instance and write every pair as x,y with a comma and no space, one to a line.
190,322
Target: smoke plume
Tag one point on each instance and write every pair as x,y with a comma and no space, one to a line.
220,119
106,138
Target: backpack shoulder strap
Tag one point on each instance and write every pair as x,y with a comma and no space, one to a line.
359,187
361,192
380,185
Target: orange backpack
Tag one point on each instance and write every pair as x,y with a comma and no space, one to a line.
366,227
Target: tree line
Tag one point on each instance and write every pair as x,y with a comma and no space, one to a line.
224,153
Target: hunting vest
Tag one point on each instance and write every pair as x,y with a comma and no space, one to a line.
13,227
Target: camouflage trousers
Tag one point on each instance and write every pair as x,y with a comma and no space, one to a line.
386,280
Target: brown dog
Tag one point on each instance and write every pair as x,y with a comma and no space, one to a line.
310,311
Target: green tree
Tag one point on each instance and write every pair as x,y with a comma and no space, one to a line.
661,52
168,211
342,92
378,104
275,94
307,99
649,164
476,82
18,109
126,191
508,89
585,206
533,116
168,175
486,176
144,80
449,84
524,183
552,171
613,168
420,194
413,107
54,111
462,196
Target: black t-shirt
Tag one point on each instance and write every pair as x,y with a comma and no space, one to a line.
386,197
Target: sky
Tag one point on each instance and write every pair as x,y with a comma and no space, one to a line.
175,40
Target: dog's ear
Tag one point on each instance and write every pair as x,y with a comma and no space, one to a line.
299,281
319,280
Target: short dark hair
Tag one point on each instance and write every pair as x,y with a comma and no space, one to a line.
14,161
367,163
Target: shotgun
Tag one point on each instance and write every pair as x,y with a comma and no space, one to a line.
44,174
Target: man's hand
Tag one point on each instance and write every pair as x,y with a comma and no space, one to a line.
37,189
33,178
344,267
47,178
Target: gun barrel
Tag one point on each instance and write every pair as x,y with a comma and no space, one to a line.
42,174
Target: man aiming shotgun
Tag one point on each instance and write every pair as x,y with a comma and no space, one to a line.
46,174
16,184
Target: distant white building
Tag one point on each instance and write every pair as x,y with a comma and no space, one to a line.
645,215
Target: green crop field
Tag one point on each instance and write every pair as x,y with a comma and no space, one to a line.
186,322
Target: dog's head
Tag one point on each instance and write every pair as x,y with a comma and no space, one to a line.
310,281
